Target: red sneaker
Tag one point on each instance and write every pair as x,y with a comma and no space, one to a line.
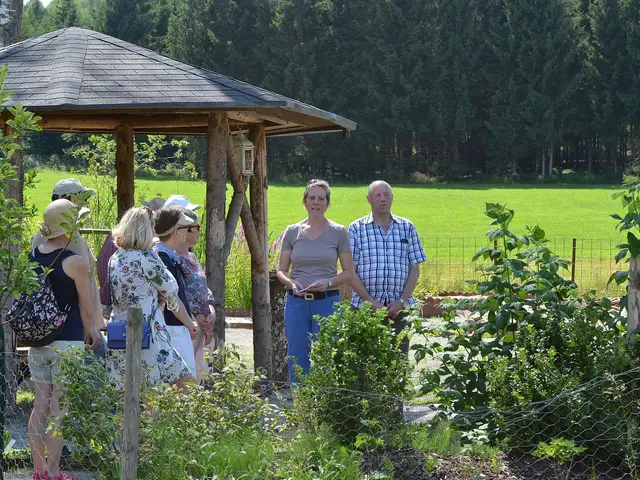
63,476
40,476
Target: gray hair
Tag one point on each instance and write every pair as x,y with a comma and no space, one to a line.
376,183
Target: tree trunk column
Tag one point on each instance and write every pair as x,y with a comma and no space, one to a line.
279,345
217,138
124,168
259,266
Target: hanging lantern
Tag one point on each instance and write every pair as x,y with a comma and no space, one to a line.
244,153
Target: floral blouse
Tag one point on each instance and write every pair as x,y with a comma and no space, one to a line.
198,293
140,279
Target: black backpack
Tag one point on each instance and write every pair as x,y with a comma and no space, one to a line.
36,318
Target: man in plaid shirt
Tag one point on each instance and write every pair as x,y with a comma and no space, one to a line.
387,254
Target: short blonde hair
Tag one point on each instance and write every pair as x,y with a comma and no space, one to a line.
135,230
317,183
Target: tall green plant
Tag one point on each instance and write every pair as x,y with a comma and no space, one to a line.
358,375
16,271
630,223
522,285
16,274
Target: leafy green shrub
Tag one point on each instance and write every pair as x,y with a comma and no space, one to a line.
92,420
358,374
576,379
521,286
539,362
558,449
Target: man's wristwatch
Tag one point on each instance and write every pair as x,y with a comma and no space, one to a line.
405,303
329,284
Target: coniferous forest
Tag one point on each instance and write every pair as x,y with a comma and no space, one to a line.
449,89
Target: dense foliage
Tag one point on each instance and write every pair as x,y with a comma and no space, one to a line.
358,375
454,88
536,362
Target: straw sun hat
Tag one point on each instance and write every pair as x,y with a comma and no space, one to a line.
57,218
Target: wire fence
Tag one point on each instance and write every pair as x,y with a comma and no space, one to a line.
225,429
450,262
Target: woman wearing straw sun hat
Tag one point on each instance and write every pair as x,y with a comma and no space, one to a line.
69,279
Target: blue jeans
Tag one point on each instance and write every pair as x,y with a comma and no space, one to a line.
301,328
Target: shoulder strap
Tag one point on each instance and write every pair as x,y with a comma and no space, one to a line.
109,291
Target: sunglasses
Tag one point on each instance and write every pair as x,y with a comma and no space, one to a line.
196,227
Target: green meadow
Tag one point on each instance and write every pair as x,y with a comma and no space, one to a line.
449,218
437,211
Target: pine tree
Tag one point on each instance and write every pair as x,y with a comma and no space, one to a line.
127,20
534,79
65,14
612,78
32,19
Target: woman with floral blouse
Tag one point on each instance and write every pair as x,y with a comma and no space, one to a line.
199,296
138,278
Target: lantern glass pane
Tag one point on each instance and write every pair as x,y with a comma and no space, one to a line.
248,160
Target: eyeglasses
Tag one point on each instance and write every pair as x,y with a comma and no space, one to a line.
197,228
181,228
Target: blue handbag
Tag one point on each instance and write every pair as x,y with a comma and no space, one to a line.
117,329
117,335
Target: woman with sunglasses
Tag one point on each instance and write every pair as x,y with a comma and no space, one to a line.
171,226
199,296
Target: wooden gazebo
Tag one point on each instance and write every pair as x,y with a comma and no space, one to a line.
83,81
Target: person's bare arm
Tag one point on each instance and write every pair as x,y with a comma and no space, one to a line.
362,292
77,268
396,306
412,281
282,272
182,315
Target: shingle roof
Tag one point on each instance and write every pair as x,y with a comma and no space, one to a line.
78,69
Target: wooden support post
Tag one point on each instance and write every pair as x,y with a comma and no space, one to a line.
217,139
124,168
259,187
260,303
279,344
132,378
259,271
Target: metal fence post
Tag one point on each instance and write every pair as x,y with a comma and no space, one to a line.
132,378
573,261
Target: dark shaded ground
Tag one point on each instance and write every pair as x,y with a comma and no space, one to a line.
411,464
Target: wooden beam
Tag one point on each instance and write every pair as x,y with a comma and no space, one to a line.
259,187
124,168
261,306
110,122
217,139
250,233
259,263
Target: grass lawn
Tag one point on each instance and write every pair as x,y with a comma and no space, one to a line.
449,218
437,211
